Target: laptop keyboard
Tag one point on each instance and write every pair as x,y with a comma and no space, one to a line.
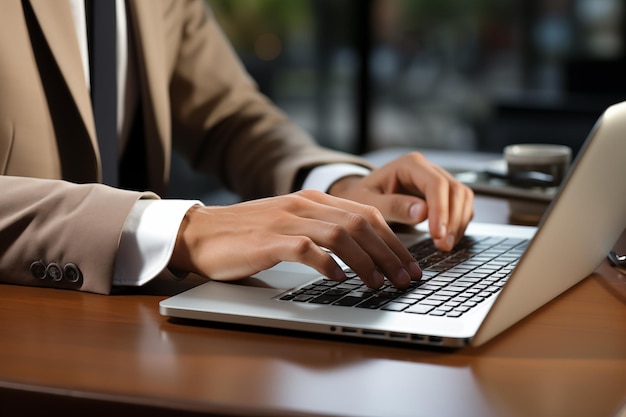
452,282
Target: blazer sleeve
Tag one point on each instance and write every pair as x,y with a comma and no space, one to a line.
225,126
59,234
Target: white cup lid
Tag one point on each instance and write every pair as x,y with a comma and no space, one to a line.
537,153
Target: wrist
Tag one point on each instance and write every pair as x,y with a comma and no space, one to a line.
341,187
181,259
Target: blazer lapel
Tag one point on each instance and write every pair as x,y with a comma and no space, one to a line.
57,25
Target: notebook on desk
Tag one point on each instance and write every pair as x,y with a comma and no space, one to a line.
495,277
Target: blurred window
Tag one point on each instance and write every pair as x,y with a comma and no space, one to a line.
444,74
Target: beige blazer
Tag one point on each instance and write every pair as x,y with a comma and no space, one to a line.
58,227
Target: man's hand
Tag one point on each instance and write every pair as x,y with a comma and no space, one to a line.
231,242
409,190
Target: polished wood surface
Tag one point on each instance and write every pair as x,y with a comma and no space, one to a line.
87,354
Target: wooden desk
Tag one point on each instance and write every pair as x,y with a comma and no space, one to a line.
71,353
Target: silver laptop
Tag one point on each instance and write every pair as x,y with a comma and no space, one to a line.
498,274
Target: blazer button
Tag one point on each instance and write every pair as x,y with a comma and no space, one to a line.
71,272
54,271
38,269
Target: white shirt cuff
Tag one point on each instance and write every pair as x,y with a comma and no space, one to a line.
148,240
321,178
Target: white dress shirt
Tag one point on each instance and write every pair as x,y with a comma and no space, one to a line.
151,228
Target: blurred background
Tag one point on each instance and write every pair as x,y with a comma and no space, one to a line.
463,75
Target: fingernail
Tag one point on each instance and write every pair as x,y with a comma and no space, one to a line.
339,275
414,270
450,241
377,279
442,230
416,211
403,278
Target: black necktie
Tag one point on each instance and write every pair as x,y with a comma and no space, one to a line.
103,72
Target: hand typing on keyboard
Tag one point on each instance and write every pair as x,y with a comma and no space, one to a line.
410,190
232,242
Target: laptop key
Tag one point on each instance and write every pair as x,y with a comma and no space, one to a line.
395,306
373,302
302,297
349,301
432,303
437,313
419,309
329,296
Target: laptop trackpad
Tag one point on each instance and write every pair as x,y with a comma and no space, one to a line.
283,276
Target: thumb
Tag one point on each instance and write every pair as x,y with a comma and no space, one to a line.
401,208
